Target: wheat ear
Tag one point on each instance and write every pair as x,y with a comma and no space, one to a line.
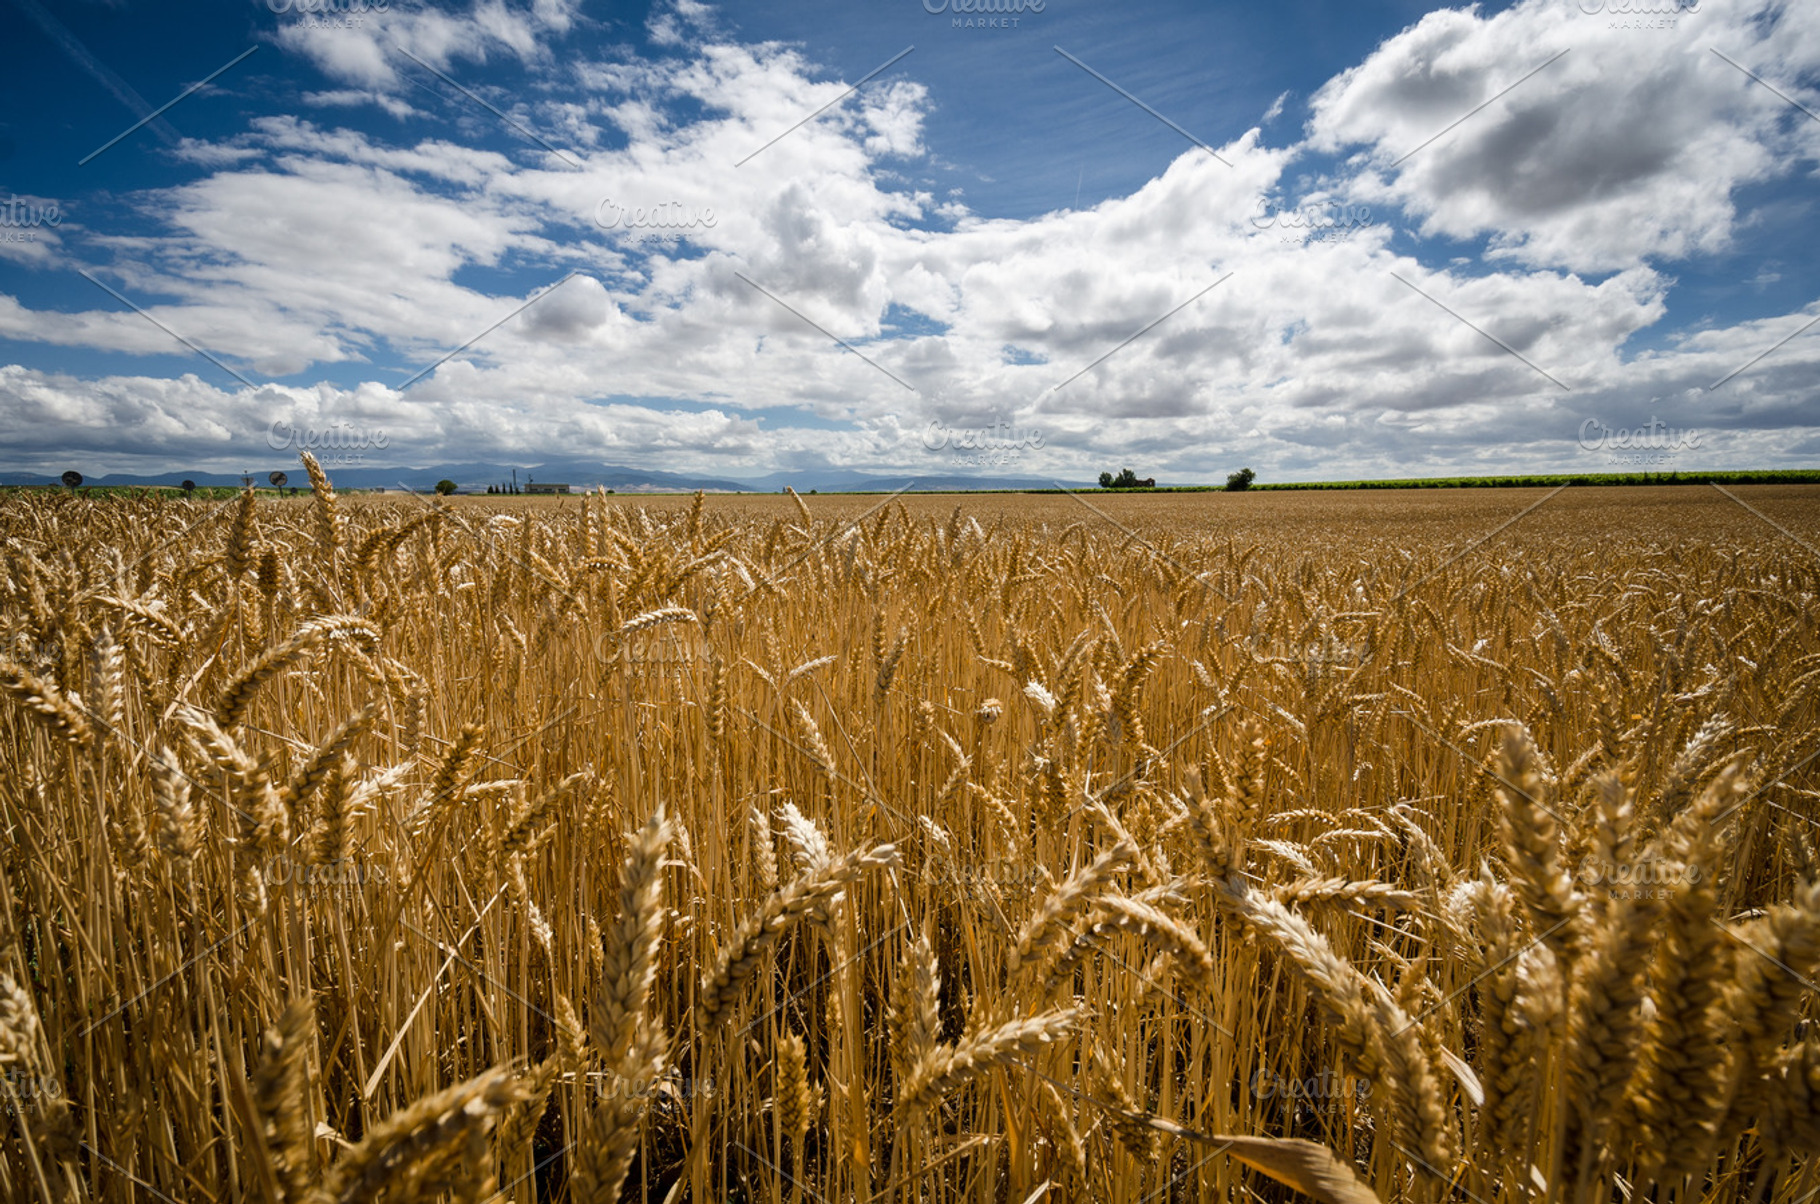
242,536
327,756
807,897
1533,846
238,693
603,1156
433,1138
764,851
329,526
630,963
175,827
1048,929
1782,948
47,704
1165,934
948,1067
531,824
1345,891
1128,1120
1678,1092
797,1102
917,1022
281,1097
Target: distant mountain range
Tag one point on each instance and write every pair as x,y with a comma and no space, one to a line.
577,474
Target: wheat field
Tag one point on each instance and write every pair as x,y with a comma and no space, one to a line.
1453,846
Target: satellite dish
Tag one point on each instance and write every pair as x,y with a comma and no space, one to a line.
72,478
188,486
278,479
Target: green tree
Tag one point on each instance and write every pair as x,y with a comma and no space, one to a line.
1105,480
1240,480
445,487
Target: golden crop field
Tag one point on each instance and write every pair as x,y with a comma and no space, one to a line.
1438,845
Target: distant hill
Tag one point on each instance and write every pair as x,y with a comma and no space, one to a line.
578,474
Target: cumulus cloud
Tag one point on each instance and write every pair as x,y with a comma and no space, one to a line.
356,53
1566,138
1205,312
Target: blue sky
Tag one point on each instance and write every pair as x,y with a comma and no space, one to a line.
1323,240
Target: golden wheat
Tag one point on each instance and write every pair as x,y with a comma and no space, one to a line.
1273,847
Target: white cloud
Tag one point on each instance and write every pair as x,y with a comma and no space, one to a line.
355,53
353,97
1596,147
303,246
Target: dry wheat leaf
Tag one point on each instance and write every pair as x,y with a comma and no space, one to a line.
1309,1167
